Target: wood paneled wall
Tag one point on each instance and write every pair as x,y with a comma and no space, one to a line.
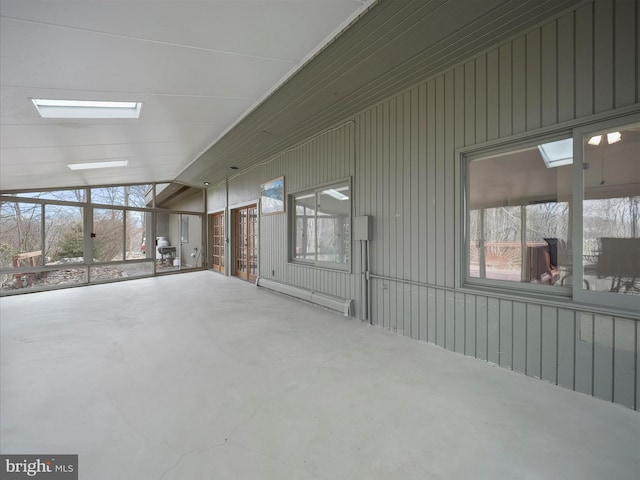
401,155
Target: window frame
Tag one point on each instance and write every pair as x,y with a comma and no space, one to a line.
292,226
466,157
592,297
576,130
45,198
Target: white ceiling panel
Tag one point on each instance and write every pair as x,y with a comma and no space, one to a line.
253,28
93,153
197,66
54,58
73,134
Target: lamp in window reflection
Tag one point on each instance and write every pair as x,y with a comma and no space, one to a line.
612,137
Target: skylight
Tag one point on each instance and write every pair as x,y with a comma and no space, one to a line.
86,109
92,165
333,192
558,153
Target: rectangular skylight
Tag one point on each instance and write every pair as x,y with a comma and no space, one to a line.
86,109
92,165
302,197
333,192
558,153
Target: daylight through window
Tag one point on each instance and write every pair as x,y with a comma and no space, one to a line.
322,226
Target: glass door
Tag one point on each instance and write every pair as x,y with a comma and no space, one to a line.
217,242
252,241
246,253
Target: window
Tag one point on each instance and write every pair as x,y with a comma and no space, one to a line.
609,189
127,196
76,236
518,215
321,226
560,215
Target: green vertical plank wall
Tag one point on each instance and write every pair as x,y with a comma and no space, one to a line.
400,154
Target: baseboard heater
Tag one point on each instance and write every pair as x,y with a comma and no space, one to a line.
342,305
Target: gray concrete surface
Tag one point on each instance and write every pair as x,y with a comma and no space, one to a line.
197,376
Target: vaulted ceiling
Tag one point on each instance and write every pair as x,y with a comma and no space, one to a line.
223,83
197,66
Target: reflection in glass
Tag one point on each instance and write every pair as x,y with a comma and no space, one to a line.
611,211
518,215
333,217
323,225
305,227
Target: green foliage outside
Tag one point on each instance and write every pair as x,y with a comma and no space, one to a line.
72,243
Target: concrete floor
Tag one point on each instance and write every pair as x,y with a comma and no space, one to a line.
198,376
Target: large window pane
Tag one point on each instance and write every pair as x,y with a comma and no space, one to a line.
305,225
167,242
20,243
190,241
43,279
136,234
611,211
136,195
108,243
518,215
69,195
125,196
322,226
64,234
20,231
108,196
116,271
333,217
